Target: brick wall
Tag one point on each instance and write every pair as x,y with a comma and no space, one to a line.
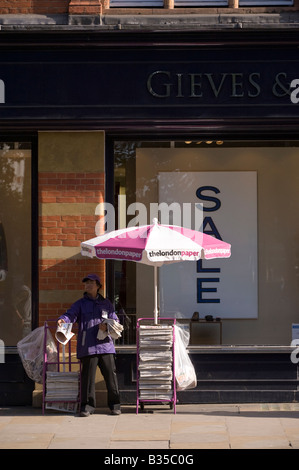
50,7
97,7
38,7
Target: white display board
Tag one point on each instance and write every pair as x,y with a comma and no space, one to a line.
295,332
223,288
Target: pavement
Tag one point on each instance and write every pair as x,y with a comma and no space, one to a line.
199,426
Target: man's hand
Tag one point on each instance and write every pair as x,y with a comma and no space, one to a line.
103,326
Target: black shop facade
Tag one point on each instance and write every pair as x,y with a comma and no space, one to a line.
197,129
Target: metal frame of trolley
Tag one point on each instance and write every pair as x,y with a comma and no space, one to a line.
156,362
65,377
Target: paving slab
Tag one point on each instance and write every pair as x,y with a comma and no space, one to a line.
142,427
29,440
233,426
258,432
291,429
79,442
294,443
139,445
221,444
254,442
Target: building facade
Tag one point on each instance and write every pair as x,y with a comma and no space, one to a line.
114,113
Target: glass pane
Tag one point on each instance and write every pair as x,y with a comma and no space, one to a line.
200,3
249,192
265,3
15,241
136,3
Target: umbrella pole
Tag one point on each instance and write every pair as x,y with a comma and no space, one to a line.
156,311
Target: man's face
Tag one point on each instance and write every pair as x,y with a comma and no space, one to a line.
91,287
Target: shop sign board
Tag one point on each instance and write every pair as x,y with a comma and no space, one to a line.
152,82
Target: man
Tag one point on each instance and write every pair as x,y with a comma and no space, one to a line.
90,312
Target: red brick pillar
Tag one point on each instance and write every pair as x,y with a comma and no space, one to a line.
62,231
71,187
81,7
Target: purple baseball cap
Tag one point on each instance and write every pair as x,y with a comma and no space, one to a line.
93,277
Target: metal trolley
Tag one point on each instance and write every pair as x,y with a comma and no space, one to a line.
156,362
62,378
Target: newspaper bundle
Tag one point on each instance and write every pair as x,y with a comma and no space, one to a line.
114,329
155,366
62,391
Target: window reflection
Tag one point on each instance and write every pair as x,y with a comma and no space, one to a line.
15,241
276,164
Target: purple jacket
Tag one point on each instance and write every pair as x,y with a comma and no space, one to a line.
87,312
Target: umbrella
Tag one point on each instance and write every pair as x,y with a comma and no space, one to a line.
155,244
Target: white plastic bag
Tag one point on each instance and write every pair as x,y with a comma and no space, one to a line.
31,351
184,370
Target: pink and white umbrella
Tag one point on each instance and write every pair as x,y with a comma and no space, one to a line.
155,244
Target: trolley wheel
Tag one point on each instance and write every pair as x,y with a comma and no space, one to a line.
142,406
171,405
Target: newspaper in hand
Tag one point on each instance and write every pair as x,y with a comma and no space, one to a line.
64,333
114,329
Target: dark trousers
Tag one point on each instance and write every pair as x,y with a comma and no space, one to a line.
106,363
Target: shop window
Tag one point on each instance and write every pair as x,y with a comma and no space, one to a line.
250,198
200,3
136,3
15,241
265,3
195,3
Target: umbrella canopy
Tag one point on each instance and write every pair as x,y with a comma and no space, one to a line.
155,244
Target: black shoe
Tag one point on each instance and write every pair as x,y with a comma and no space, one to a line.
87,410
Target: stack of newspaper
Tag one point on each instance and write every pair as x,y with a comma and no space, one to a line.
61,387
155,362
